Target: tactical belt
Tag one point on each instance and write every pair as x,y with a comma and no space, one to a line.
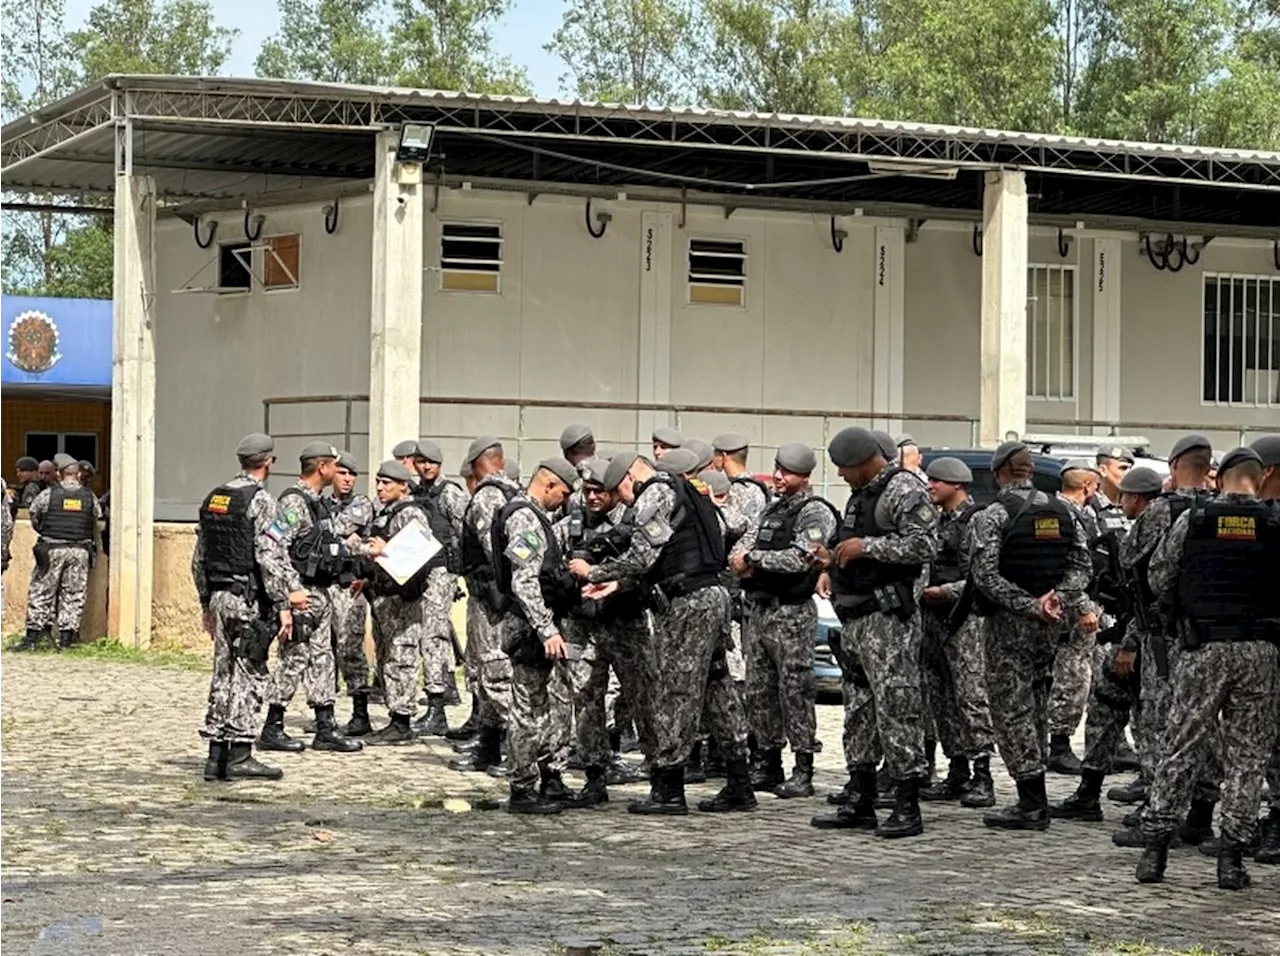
53,544
682,585
853,607
1210,633
765,599
239,586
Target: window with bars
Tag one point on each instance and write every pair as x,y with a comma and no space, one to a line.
1051,332
717,272
1241,340
470,256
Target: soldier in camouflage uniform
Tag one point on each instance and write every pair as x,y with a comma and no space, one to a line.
776,562
244,579
6,525
305,531
1268,852
875,575
352,515
1030,567
66,518
1216,567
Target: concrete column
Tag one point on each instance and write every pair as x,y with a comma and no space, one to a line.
654,374
1003,404
1106,331
395,318
888,266
133,412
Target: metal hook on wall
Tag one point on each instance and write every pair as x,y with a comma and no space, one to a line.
213,232
1064,244
977,241
331,217
838,236
604,222
252,237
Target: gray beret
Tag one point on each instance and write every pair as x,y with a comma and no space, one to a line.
394,471
888,446
574,434
606,455
430,451
905,439
317,449
852,446
1078,464
797,458
679,461
465,470
1115,451
1188,443
1238,456
668,436
348,461
512,469
479,447
700,448
255,444
1004,452
561,469
62,460
405,449
1268,449
86,467
27,463
618,469
729,442
717,481
1142,481
593,469
951,470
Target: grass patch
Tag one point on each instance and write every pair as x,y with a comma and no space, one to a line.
109,650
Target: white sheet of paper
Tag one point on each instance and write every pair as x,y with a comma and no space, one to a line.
408,550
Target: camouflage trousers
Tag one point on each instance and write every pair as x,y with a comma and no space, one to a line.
1112,701
489,663
686,638
1020,652
234,714
533,740
56,595
307,656
347,621
779,646
954,682
615,647
1241,681
401,624
436,648
1156,697
1072,675
883,709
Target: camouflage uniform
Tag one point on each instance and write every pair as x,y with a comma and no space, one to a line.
6,522
438,634
352,514
236,688
57,594
883,709
1240,680
779,637
739,512
1019,646
1073,660
484,654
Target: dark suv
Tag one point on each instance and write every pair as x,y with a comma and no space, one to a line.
983,489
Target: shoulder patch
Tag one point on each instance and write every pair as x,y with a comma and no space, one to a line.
926,514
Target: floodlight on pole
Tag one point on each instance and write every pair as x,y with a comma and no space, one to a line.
415,143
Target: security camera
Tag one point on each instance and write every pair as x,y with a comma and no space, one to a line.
401,200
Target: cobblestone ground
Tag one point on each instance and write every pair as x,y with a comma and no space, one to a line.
113,844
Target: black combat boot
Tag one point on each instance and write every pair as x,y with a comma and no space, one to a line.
67,640
1210,848
359,724
528,800
31,640
1198,826
905,819
1125,759
552,789
931,757
1132,837
887,797
469,727
215,767
595,791
1061,757
769,774
1134,819
241,765
982,789
1231,872
666,795
713,764
860,812
435,722
397,731
1031,812
1084,803
501,769
951,787
273,736
619,773
693,772
1268,851
488,751
801,782
1135,792
327,736
1155,857
736,793
846,794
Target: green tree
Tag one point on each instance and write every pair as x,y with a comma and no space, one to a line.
336,41
446,45
1243,108
145,36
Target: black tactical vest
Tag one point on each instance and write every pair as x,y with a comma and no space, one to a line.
694,555
945,567
777,532
316,554
70,515
865,575
1111,529
1035,541
227,534
599,544
560,592
383,583
1228,582
475,564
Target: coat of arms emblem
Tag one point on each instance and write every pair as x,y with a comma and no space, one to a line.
33,342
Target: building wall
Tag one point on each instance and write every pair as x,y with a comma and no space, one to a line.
29,415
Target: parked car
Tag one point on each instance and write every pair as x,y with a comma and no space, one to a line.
827,676
983,489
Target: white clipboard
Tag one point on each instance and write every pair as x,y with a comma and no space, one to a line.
408,550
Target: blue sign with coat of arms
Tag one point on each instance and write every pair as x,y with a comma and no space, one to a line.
64,342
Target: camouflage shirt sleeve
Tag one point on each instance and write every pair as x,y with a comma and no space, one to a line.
742,509
653,510
6,520
1075,581
747,542
198,577
1166,562
1145,533
914,538
527,549
485,507
815,525
38,508
453,505
354,518
278,574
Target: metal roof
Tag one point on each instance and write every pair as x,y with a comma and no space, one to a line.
220,140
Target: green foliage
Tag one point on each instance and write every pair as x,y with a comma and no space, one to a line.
146,36
446,45
337,41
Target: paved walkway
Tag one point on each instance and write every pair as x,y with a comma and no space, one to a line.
113,844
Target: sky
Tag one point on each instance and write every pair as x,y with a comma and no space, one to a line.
519,36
